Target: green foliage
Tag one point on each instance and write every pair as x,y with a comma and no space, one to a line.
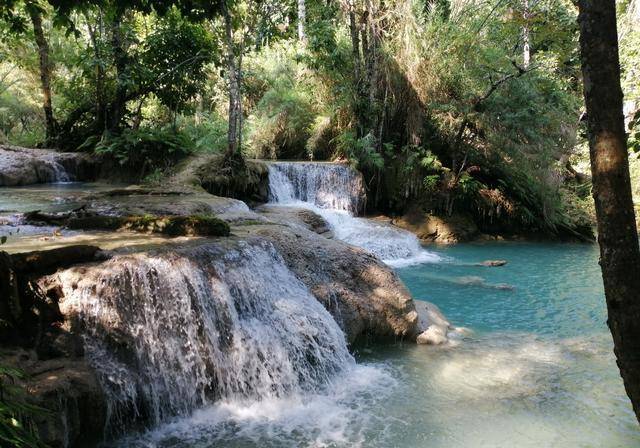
175,57
359,151
207,131
16,414
196,225
286,107
145,149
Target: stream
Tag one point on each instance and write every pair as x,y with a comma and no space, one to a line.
533,367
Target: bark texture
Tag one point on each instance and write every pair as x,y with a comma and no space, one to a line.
118,108
45,71
235,110
617,235
302,19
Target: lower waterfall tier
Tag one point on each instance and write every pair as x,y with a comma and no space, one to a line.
265,315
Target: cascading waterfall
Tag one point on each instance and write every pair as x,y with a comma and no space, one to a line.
170,333
326,185
336,192
58,172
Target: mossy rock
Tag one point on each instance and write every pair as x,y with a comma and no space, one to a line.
247,181
192,225
195,225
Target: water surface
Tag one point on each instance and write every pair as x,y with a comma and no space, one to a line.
535,369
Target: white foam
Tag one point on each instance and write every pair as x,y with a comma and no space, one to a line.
332,191
337,415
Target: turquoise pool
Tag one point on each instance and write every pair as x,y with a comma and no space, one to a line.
534,369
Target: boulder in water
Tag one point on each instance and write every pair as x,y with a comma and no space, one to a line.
363,294
433,326
493,263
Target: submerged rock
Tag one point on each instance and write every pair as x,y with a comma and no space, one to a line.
493,263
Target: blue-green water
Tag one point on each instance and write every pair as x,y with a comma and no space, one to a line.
553,290
536,368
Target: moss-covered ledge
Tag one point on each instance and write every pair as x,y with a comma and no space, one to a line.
172,225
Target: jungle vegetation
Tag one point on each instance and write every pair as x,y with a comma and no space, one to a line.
452,106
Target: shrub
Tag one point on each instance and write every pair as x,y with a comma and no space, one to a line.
16,414
144,150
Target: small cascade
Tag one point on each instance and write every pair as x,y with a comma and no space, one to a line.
326,185
53,171
58,171
336,193
170,333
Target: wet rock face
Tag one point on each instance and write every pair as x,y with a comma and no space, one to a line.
436,229
22,166
363,294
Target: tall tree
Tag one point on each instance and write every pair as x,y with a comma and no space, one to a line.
526,34
617,235
233,75
35,11
12,12
302,19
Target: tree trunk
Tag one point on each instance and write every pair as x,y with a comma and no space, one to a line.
526,35
355,40
302,19
45,72
95,34
234,87
617,236
118,107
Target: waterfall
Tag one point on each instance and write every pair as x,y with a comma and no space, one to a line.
59,174
326,185
172,332
336,193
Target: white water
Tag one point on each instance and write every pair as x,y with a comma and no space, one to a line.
335,192
173,333
60,175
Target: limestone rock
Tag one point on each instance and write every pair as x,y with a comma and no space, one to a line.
437,229
68,388
363,294
432,324
296,217
23,166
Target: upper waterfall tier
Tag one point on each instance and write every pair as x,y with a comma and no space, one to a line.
336,192
326,185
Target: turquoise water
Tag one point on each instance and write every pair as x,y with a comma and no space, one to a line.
553,290
536,367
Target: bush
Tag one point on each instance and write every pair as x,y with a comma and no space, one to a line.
16,414
143,150
208,133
